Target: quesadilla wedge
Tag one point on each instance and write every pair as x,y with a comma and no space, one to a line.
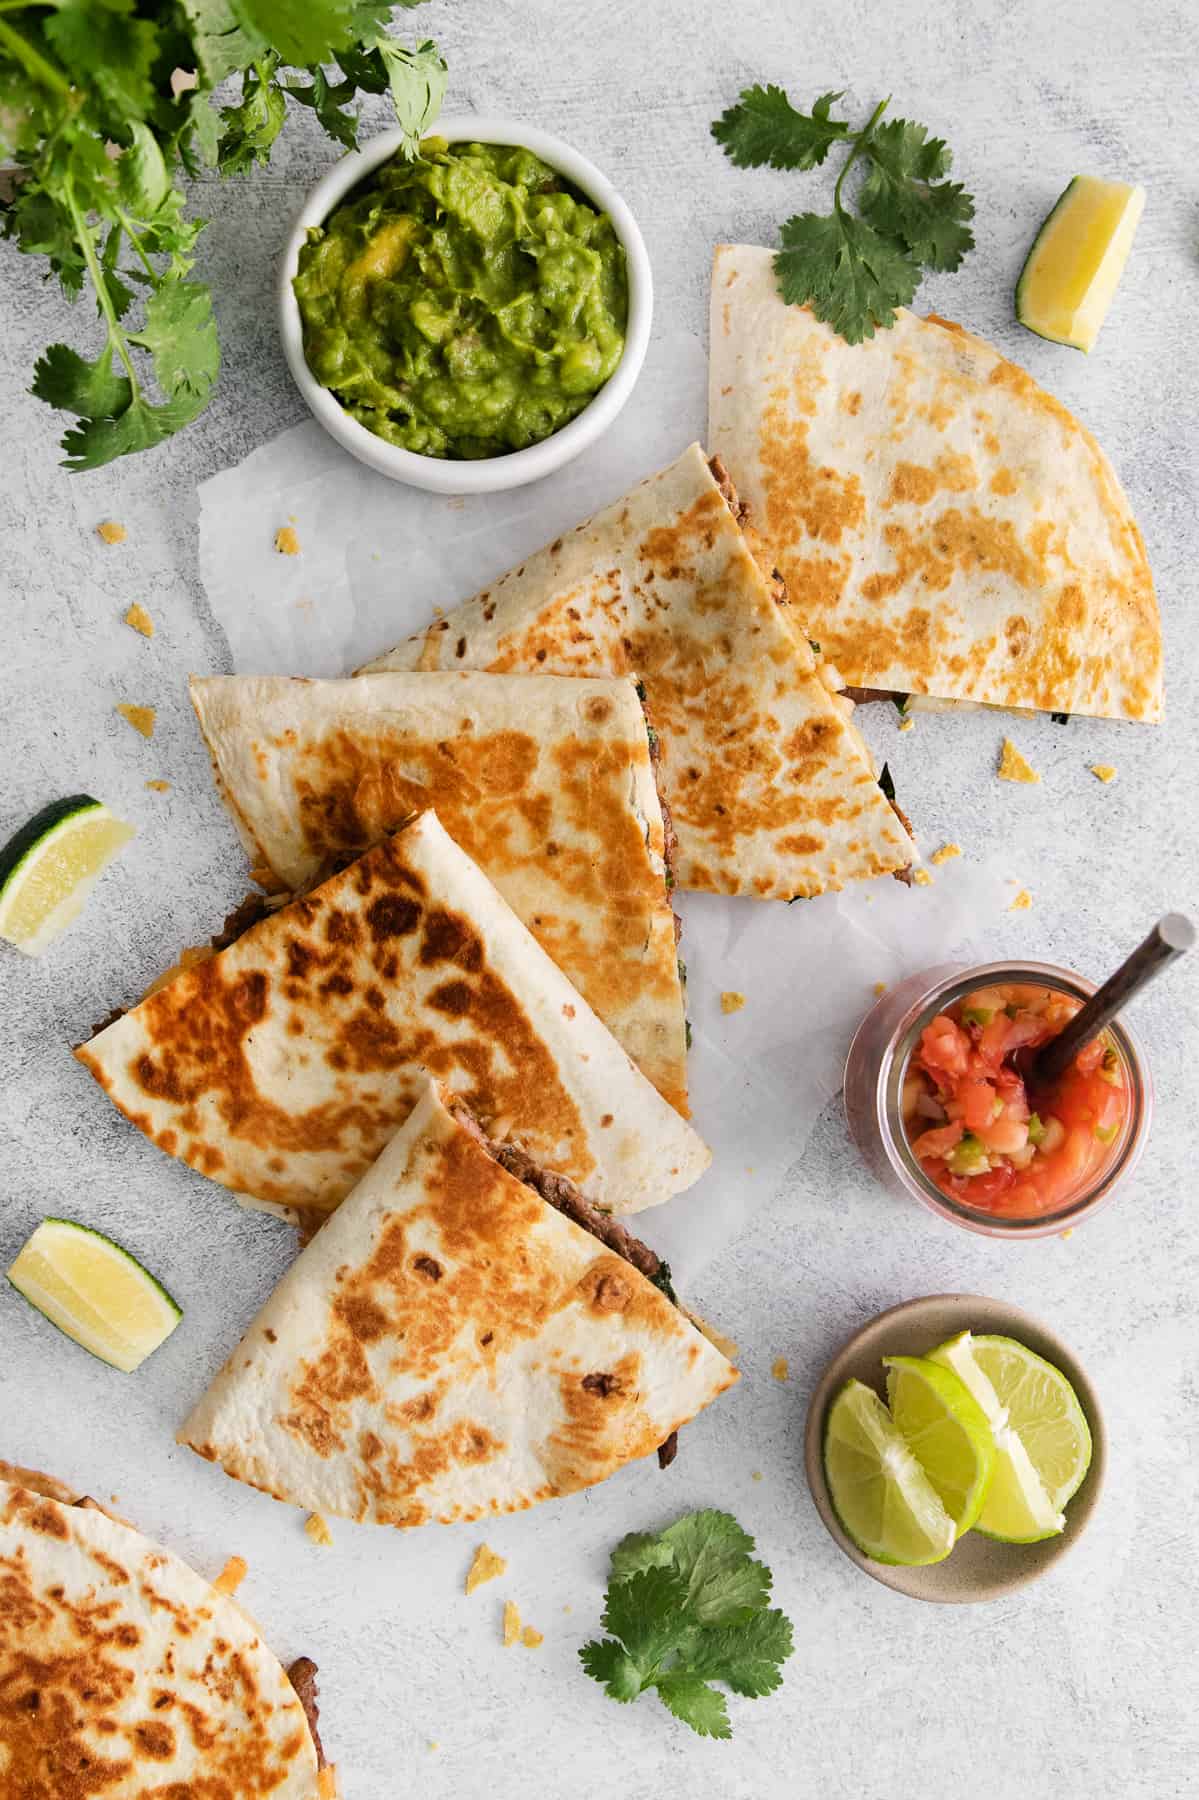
281,1065
124,1674
465,1337
770,786
944,526
547,783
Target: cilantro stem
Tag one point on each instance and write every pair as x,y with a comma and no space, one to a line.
33,61
116,337
131,234
859,144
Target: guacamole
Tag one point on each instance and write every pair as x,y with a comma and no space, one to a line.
464,305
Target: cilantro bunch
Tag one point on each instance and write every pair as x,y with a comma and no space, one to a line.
854,267
686,1607
104,105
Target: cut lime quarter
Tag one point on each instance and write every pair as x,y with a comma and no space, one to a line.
95,1292
1042,1440
883,1498
48,869
946,1430
1071,273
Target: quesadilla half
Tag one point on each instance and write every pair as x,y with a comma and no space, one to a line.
124,1674
945,527
770,786
281,1065
547,783
466,1336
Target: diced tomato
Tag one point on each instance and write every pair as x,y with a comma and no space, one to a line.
938,1142
944,1047
980,1082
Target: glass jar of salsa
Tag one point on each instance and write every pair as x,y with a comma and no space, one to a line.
942,1100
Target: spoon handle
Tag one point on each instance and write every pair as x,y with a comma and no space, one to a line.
1170,937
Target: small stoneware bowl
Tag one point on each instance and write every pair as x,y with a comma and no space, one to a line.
978,1568
435,474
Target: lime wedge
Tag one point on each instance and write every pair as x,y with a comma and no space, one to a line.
1071,273
946,1430
95,1292
1042,1441
48,869
883,1498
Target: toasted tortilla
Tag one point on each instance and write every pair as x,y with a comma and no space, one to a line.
945,527
124,1674
546,783
771,788
450,1346
282,1065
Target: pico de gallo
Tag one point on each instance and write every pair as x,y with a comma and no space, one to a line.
983,1132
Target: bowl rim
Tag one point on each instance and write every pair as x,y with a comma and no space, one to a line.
517,467
1028,1561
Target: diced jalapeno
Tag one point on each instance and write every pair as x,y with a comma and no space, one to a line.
1036,1130
977,1015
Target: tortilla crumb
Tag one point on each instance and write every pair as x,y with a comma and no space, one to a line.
1104,771
1068,1233
946,853
433,1744
109,532
880,988
287,542
140,717
731,1001
317,1529
1013,766
232,1575
780,1368
511,1623
138,619
1022,902
922,878
755,1474
907,724
486,1566
531,1638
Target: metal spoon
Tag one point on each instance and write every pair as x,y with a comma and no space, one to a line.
1170,937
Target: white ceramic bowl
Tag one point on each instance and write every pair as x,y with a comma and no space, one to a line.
438,474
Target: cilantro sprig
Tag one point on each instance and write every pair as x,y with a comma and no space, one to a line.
854,267
686,1607
100,125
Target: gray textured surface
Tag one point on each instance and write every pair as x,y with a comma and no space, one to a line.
1080,1686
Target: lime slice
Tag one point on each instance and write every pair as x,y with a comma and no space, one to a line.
1071,273
946,1430
94,1291
48,869
883,1498
1042,1442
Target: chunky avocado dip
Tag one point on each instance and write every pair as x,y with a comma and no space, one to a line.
464,305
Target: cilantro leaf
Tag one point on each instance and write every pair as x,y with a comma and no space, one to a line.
686,1607
852,277
310,33
643,1611
905,152
108,51
854,267
417,81
764,128
61,377
250,128
904,197
711,1552
180,334
747,1657
696,1704
608,1662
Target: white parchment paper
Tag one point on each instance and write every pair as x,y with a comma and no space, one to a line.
377,560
